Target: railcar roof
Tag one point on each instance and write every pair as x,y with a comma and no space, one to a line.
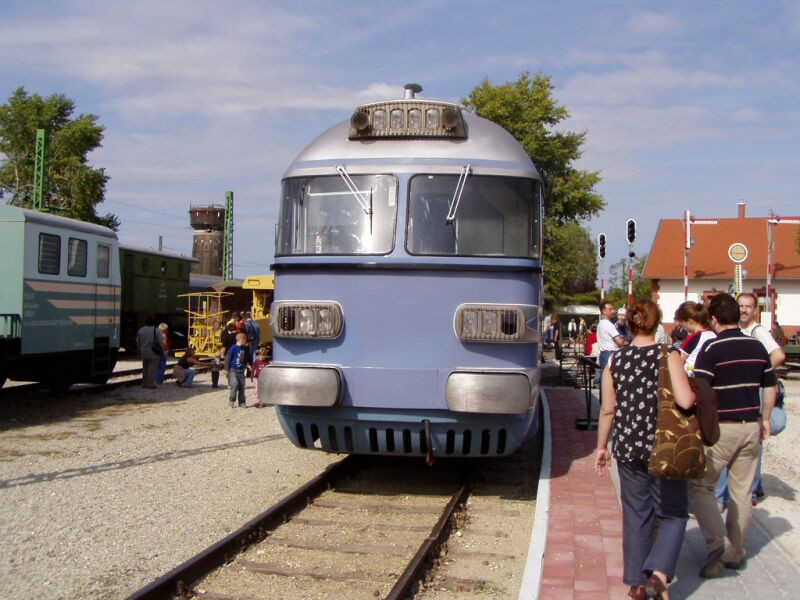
486,143
151,252
17,214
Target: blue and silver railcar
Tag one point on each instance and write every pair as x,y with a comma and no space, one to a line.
60,299
408,286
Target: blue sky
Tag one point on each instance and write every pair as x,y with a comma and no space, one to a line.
686,105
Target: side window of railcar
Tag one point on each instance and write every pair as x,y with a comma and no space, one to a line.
103,260
49,254
495,216
76,257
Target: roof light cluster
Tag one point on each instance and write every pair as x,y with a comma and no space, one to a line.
407,118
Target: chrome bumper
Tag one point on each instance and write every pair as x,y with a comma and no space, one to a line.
300,386
493,393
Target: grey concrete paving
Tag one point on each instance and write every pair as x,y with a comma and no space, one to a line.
768,573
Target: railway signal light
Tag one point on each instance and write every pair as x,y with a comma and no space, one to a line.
601,245
631,230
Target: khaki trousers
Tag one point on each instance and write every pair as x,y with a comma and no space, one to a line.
737,449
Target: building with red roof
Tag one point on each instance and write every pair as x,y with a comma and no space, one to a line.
711,270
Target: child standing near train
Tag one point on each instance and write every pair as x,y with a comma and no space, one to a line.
161,366
236,360
261,362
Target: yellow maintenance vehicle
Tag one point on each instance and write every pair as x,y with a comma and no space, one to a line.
206,319
263,287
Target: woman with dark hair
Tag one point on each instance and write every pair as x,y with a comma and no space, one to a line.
695,319
628,415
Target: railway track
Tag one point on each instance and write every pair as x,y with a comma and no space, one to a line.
118,379
364,528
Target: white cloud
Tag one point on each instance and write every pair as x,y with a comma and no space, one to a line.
644,82
188,60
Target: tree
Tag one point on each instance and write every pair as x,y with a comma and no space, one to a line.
575,272
74,187
618,281
528,110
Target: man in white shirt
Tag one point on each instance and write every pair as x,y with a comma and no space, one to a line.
546,326
608,337
748,325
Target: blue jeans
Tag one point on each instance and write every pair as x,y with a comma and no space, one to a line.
161,368
654,516
602,361
189,373
236,383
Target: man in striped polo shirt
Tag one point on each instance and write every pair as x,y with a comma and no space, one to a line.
736,366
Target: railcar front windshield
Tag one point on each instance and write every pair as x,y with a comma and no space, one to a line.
338,215
495,216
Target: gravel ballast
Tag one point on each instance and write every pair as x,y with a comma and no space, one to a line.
101,494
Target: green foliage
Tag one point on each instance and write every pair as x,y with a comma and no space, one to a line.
572,268
74,188
618,281
527,109
591,298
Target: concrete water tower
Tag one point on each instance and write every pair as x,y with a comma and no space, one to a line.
208,245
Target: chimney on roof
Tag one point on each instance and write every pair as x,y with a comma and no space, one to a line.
742,209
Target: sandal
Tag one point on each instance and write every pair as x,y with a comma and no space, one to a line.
637,592
657,584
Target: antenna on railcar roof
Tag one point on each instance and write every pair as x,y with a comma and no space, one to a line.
411,90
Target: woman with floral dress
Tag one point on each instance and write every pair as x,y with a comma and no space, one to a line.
654,510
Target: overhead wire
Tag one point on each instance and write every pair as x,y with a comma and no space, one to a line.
158,212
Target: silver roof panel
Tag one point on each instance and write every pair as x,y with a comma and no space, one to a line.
488,147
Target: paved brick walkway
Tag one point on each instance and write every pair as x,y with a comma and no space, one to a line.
583,552
583,557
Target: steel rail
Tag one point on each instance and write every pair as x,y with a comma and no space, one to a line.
177,582
94,388
426,552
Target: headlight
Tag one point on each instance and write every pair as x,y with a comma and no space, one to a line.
495,323
313,320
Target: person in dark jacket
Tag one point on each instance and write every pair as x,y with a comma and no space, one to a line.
228,337
147,339
253,332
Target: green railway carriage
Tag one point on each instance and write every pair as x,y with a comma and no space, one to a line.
152,282
59,299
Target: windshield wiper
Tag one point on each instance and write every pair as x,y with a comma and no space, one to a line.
365,204
462,180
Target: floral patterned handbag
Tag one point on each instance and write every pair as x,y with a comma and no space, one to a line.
678,451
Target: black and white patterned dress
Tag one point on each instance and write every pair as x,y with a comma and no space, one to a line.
635,374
